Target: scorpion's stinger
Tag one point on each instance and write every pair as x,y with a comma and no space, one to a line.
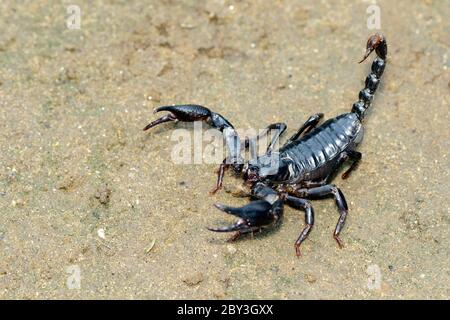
378,43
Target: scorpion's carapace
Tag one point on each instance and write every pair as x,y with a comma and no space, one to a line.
305,164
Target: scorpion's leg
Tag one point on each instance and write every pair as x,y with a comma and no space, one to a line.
279,127
309,219
307,126
341,203
223,167
355,156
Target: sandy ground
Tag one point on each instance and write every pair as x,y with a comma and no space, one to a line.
74,159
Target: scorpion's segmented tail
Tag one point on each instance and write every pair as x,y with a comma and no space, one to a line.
378,44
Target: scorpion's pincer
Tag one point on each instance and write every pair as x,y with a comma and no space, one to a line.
252,217
185,113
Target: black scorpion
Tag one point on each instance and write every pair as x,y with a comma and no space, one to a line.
301,169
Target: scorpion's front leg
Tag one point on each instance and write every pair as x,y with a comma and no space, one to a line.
279,130
255,215
341,203
220,173
306,127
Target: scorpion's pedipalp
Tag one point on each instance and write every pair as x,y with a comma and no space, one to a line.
186,113
240,225
194,112
167,118
253,216
254,211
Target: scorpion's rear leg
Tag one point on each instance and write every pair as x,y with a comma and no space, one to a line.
355,156
306,127
341,203
309,219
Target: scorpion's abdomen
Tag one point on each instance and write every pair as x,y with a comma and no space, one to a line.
316,153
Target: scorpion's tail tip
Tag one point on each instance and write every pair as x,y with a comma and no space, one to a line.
375,42
369,50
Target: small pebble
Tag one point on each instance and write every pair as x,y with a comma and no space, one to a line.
231,249
310,278
103,195
67,183
193,279
101,233
219,294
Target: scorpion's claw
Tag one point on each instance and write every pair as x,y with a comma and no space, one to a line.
186,113
256,212
252,216
239,225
